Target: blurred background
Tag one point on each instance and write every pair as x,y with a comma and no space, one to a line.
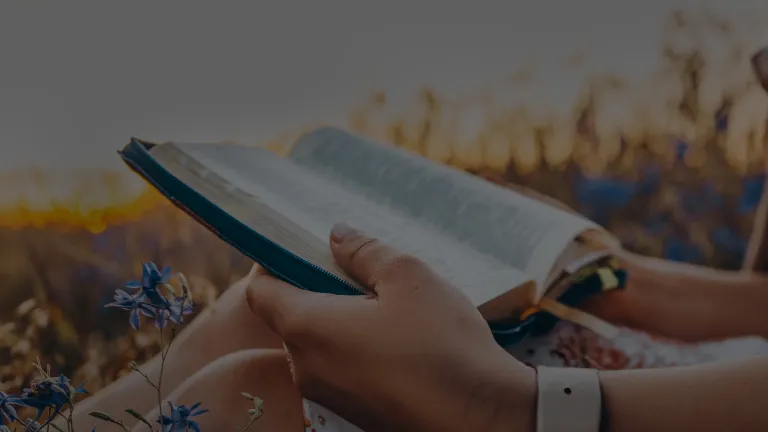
645,118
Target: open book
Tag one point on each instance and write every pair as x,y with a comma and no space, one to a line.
504,250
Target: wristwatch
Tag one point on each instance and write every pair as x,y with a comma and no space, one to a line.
569,400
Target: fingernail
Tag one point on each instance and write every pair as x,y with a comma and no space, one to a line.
255,268
341,232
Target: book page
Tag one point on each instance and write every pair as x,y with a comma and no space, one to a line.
516,230
296,208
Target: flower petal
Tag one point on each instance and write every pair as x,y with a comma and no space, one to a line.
198,412
160,320
135,319
166,275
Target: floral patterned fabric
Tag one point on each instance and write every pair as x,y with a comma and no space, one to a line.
569,345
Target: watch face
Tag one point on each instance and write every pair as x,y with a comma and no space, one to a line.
760,66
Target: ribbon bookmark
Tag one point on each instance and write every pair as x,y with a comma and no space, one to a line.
603,328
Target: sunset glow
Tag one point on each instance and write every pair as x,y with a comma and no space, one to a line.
89,200
519,123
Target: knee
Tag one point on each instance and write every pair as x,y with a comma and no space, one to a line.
233,296
238,323
261,372
265,367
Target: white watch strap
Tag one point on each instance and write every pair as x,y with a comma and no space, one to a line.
569,400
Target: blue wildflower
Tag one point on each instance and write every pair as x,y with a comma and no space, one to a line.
149,300
180,418
681,150
682,250
151,277
604,192
180,306
7,411
656,224
726,238
598,196
752,191
721,119
161,319
49,392
177,308
135,305
702,199
650,179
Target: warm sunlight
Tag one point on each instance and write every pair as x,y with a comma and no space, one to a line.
37,198
519,123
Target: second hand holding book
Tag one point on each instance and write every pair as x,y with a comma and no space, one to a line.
507,252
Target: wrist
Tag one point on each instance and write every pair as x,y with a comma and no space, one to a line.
639,302
512,401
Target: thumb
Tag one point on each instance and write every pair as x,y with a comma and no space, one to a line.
375,263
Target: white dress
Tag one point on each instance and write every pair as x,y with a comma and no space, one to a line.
569,345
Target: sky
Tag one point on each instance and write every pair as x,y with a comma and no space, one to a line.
78,79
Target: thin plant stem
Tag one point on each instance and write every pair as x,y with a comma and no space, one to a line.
60,414
164,350
160,378
146,377
53,425
253,419
18,420
70,422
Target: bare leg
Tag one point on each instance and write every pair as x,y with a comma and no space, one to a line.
228,326
263,373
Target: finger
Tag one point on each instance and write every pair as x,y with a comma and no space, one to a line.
278,303
257,269
374,263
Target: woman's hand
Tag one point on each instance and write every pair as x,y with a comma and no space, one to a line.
417,355
685,301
